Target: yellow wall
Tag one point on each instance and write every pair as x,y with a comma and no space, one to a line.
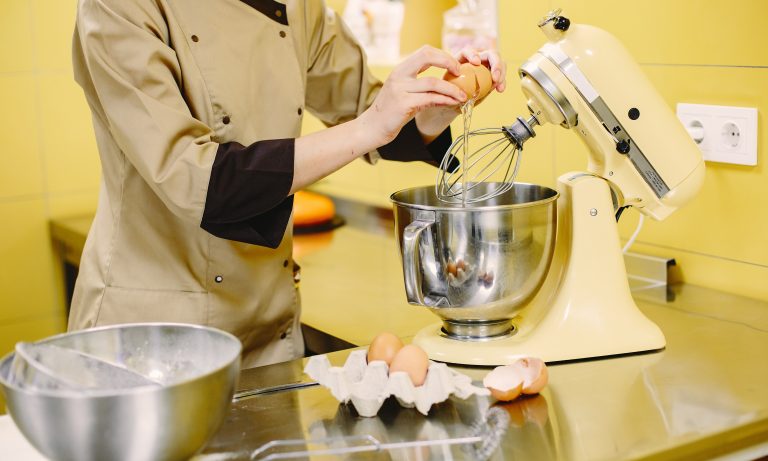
49,161
709,52
695,51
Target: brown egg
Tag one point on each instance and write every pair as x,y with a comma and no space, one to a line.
475,81
384,347
466,80
413,360
484,81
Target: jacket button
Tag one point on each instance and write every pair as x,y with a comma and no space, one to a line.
195,39
300,111
283,335
218,279
226,120
282,33
278,13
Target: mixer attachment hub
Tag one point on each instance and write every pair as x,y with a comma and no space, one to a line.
481,330
521,130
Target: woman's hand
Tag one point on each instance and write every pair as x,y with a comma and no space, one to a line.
405,94
491,60
433,120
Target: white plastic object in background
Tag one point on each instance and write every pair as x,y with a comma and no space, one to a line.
473,24
386,24
377,24
724,134
355,18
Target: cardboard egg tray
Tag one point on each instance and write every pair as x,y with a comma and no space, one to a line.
368,385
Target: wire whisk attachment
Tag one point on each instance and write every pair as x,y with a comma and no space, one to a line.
486,171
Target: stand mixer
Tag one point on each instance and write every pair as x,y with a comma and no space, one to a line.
539,272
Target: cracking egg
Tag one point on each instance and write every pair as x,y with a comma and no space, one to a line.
475,81
484,82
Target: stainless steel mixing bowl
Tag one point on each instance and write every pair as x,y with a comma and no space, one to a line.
475,266
196,366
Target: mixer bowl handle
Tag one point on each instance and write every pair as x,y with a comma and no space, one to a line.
412,262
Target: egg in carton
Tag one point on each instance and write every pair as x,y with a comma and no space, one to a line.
368,385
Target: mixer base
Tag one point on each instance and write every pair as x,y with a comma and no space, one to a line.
505,349
477,331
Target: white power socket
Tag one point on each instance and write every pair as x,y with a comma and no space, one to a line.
724,134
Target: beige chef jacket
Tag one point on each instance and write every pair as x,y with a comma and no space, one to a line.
196,104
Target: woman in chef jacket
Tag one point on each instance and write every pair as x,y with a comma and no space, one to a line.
197,110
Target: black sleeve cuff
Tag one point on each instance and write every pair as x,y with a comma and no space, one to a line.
408,146
248,191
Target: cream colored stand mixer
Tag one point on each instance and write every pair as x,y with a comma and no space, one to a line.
539,272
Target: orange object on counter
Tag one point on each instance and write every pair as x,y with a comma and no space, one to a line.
311,209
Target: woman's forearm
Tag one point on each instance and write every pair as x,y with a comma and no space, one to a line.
403,96
319,154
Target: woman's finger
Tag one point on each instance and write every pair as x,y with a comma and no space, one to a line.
436,85
424,58
498,68
421,101
470,55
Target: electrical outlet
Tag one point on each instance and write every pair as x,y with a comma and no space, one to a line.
724,134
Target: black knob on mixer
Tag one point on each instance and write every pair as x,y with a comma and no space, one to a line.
562,23
622,147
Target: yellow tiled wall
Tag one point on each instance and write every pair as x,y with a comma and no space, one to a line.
49,162
694,51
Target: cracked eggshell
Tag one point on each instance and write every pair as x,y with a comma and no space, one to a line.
536,374
505,383
526,375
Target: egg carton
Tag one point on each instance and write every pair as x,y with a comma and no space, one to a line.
368,385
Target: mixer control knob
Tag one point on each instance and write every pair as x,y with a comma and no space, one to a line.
562,23
622,147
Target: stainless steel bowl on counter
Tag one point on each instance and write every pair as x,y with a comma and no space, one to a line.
475,266
193,372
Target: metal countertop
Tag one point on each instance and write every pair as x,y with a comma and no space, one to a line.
702,397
